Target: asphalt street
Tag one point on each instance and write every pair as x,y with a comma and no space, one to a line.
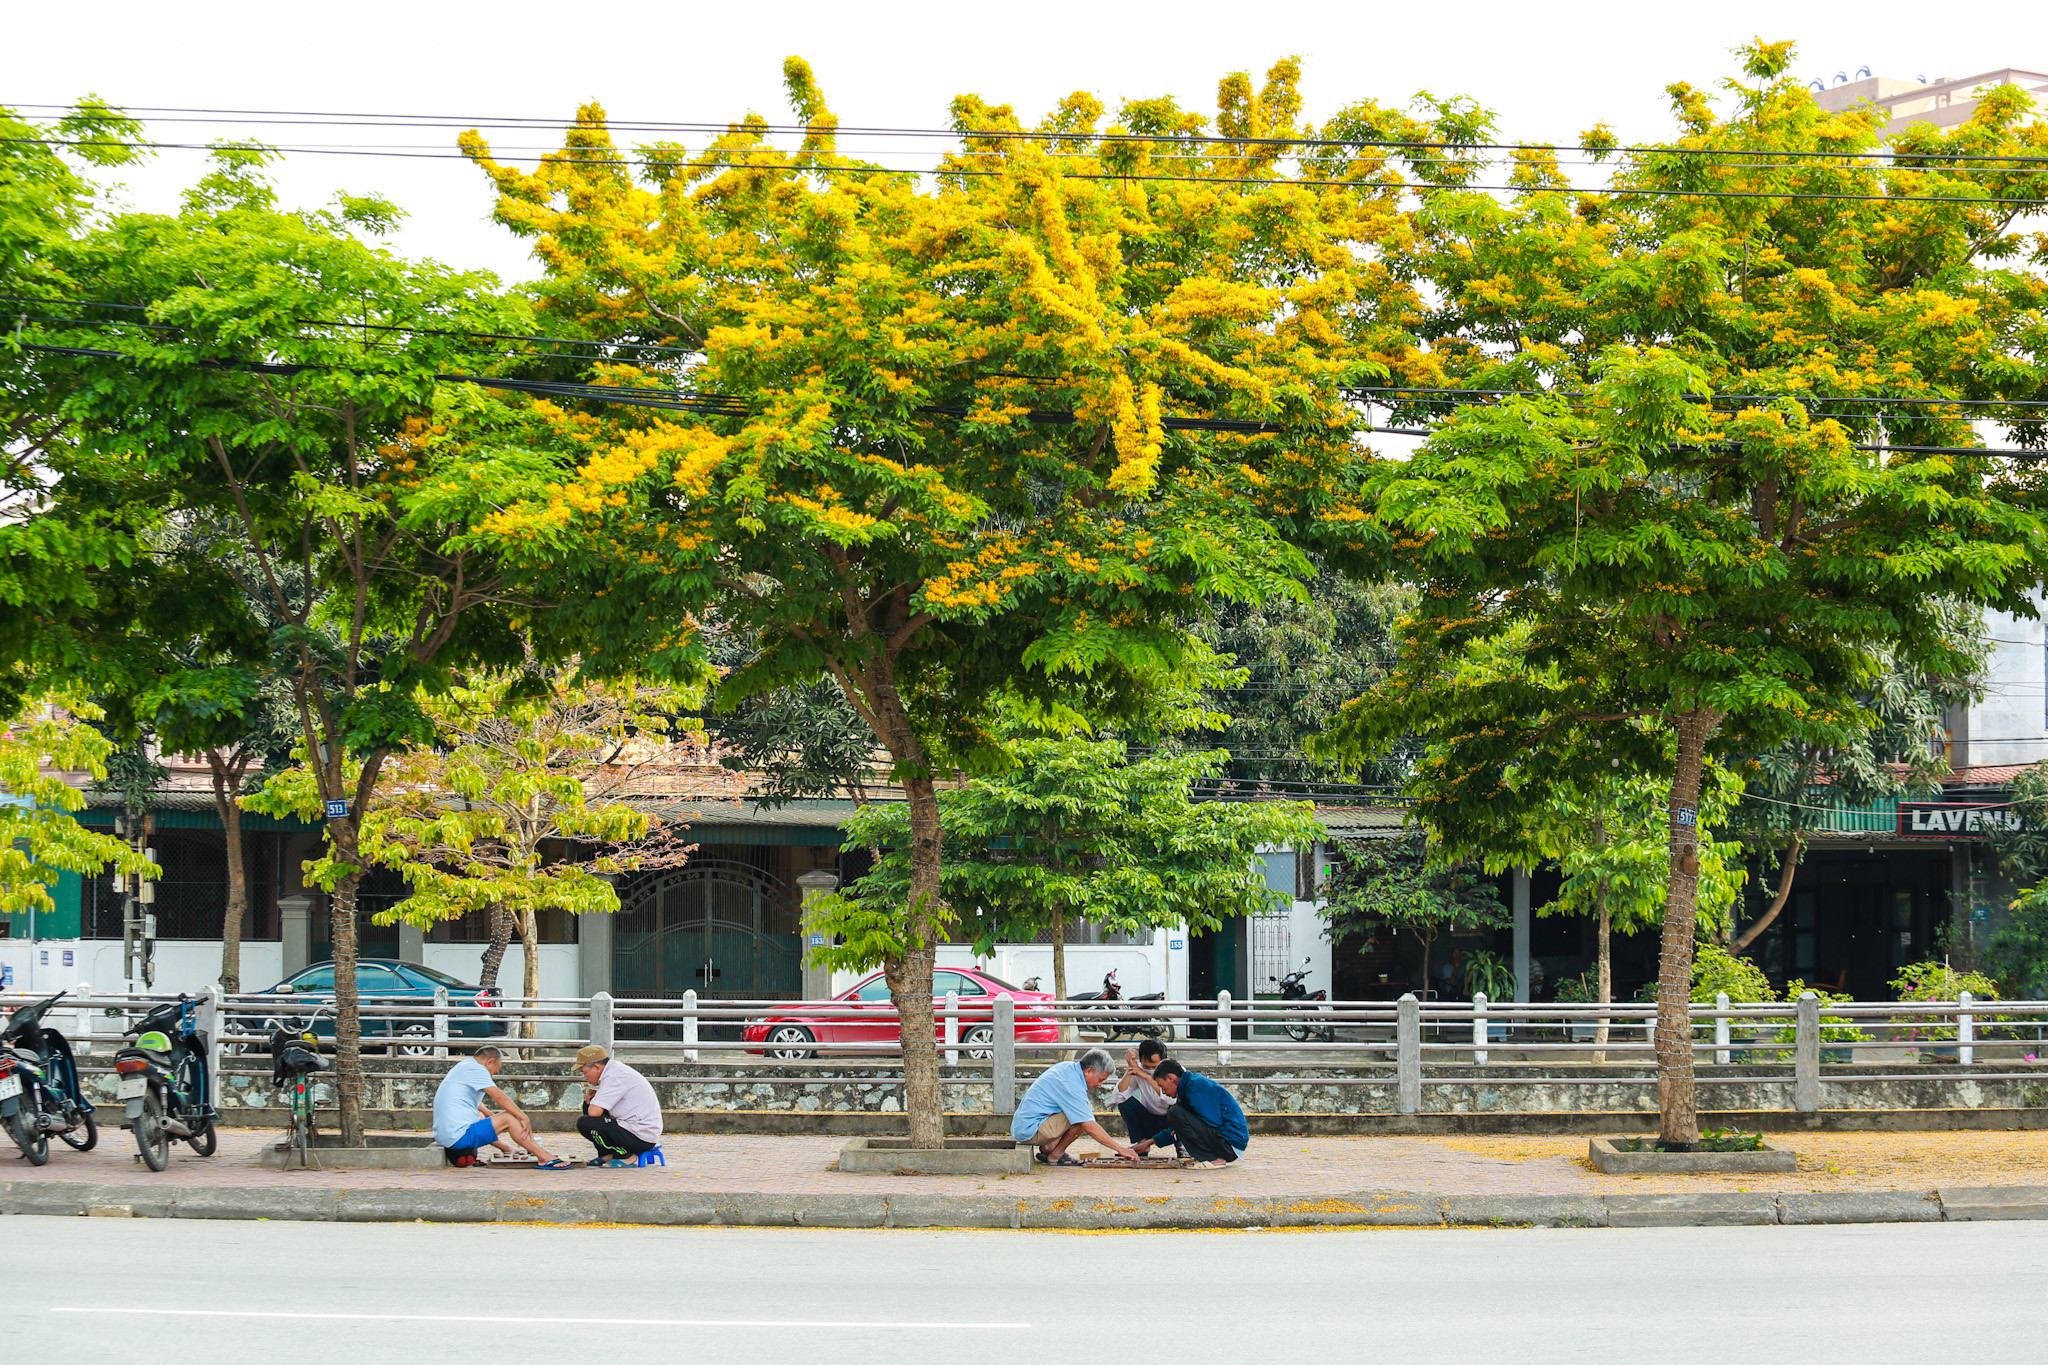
361,1293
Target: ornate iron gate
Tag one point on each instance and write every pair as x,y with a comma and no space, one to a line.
723,928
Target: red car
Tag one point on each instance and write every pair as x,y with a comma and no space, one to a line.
793,1037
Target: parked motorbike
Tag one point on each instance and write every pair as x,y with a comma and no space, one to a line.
162,1081
1293,987
39,1090
1111,997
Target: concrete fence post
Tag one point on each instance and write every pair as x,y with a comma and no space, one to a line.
1005,1087
211,1016
1479,1028
83,1029
689,1026
602,1031
1223,1028
952,1028
1721,1029
1408,1054
1966,1029
440,1021
1806,1054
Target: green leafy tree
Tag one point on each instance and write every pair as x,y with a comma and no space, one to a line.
520,763
1073,830
39,836
1395,885
1727,491
945,444
281,375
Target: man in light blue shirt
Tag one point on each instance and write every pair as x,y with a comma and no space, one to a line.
460,1124
1056,1109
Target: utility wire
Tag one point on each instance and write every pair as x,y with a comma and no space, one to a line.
2039,202
304,118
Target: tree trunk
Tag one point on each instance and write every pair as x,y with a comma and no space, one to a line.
1785,875
1605,973
227,780
1068,1033
910,976
1677,1101
529,941
1425,940
501,939
348,1018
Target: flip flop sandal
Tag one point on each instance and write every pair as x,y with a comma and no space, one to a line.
556,1165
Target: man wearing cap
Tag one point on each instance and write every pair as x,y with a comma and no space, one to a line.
621,1116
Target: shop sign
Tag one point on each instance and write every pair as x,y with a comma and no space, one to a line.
1954,820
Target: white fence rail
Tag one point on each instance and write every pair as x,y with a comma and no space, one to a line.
1433,1043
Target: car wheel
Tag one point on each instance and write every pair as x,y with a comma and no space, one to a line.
413,1047
791,1043
980,1042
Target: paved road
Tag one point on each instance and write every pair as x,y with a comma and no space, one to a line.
449,1294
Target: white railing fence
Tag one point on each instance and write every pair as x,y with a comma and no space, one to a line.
1426,1043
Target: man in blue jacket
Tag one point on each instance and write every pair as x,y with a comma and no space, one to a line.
1203,1117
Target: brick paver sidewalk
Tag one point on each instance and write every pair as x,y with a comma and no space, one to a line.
1273,1166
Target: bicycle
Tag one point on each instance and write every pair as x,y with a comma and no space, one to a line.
295,1060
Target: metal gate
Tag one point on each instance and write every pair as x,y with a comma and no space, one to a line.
1272,951
723,929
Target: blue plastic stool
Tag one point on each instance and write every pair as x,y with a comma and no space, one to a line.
651,1157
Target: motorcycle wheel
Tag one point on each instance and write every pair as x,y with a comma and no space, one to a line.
84,1137
152,1139
1298,1032
34,1145
204,1140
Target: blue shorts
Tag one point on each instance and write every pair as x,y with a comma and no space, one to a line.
482,1133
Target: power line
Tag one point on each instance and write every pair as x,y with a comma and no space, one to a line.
314,118
2039,202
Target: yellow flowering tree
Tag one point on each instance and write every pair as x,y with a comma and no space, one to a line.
945,437
39,837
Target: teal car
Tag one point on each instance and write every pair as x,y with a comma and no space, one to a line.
306,1000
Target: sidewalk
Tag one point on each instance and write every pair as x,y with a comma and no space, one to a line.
1303,1168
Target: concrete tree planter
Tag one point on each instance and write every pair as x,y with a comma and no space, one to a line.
381,1152
960,1156
1611,1159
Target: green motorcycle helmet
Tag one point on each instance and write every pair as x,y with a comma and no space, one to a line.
154,1041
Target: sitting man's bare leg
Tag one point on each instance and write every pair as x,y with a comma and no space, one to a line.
508,1126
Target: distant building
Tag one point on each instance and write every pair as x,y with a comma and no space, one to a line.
1941,102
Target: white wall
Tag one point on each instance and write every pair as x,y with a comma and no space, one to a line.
189,965
2010,724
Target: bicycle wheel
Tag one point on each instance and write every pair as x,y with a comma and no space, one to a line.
152,1139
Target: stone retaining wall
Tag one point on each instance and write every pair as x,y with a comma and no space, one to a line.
401,1084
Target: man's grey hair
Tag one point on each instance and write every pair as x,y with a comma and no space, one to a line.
489,1054
1095,1059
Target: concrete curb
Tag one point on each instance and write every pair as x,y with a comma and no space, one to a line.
1370,1208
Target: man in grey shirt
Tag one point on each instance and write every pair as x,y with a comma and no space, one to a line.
621,1115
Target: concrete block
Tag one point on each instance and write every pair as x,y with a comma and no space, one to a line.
407,1155
1859,1206
141,1201
960,1156
47,1197
951,1211
664,1210
1368,1209
428,1206
257,1202
1610,1160
1690,1210
1525,1211
1144,1211
1976,1204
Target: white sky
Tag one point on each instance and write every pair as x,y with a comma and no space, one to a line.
1550,70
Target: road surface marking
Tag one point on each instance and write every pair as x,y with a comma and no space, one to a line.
577,1322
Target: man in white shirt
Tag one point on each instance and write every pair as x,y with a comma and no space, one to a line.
621,1115
1138,1099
